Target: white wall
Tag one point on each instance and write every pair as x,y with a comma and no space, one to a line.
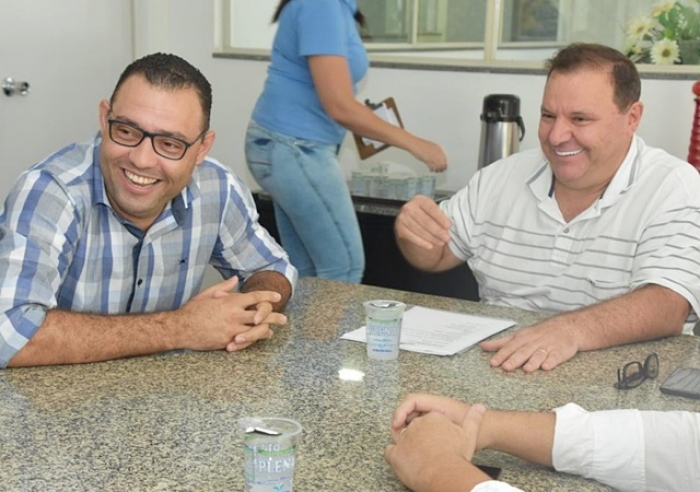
71,53
251,23
439,105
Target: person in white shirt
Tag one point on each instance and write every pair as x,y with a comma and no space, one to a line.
594,226
434,439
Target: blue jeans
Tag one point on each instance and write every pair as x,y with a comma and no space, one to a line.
313,208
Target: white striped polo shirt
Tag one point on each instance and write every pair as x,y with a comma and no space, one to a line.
644,229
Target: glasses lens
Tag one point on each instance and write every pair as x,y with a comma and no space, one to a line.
125,134
169,147
651,366
632,376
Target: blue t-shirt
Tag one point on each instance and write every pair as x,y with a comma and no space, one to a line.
289,103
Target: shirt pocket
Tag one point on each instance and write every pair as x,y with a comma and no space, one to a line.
613,282
258,151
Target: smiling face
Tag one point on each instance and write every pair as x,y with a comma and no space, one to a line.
583,133
138,181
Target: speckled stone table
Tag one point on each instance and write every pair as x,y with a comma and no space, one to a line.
167,422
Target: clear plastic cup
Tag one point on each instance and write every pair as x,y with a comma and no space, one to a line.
359,184
383,320
411,187
376,185
426,185
393,189
269,459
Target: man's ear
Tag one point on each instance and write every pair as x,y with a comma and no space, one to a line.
207,143
634,115
104,110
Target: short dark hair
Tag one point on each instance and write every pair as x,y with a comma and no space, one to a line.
624,77
170,72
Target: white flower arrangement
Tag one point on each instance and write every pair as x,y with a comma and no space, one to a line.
659,37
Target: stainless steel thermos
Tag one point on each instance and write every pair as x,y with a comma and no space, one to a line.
502,128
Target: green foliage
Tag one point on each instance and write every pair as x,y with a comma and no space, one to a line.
663,35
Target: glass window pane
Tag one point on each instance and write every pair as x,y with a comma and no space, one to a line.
436,22
599,21
535,29
530,20
451,21
450,31
386,21
251,23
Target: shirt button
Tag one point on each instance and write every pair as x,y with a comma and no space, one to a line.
566,230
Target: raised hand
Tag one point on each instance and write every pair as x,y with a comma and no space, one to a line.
423,223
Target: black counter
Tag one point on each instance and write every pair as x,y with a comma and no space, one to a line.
384,264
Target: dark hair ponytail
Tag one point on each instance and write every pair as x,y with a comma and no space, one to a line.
359,18
279,9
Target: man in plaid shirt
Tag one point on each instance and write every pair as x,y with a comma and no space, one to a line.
104,244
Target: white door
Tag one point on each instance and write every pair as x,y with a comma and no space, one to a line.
71,53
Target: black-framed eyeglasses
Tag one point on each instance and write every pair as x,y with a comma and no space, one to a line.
164,145
635,373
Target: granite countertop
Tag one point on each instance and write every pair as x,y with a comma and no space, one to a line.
167,422
383,206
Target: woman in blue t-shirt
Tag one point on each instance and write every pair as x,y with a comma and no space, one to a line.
300,119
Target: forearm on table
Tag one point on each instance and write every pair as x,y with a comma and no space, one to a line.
606,446
74,338
647,313
527,435
629,449
271,281
671,450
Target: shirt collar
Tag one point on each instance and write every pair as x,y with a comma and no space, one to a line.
625,176
542,180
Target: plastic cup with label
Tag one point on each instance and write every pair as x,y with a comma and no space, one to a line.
393,188
426,186
411,187
270,445
376,185
383,320
359,184
398,182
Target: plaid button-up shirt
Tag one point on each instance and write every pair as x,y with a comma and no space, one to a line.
63,246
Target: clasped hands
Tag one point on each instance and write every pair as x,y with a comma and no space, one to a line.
219,318
433,441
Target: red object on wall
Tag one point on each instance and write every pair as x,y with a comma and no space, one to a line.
694,149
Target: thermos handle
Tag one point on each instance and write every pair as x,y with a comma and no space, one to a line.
521,125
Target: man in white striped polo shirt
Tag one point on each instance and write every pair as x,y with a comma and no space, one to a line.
595,226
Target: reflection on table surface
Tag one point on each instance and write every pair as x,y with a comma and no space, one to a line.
167,422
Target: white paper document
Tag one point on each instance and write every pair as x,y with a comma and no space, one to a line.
387,114
432,331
